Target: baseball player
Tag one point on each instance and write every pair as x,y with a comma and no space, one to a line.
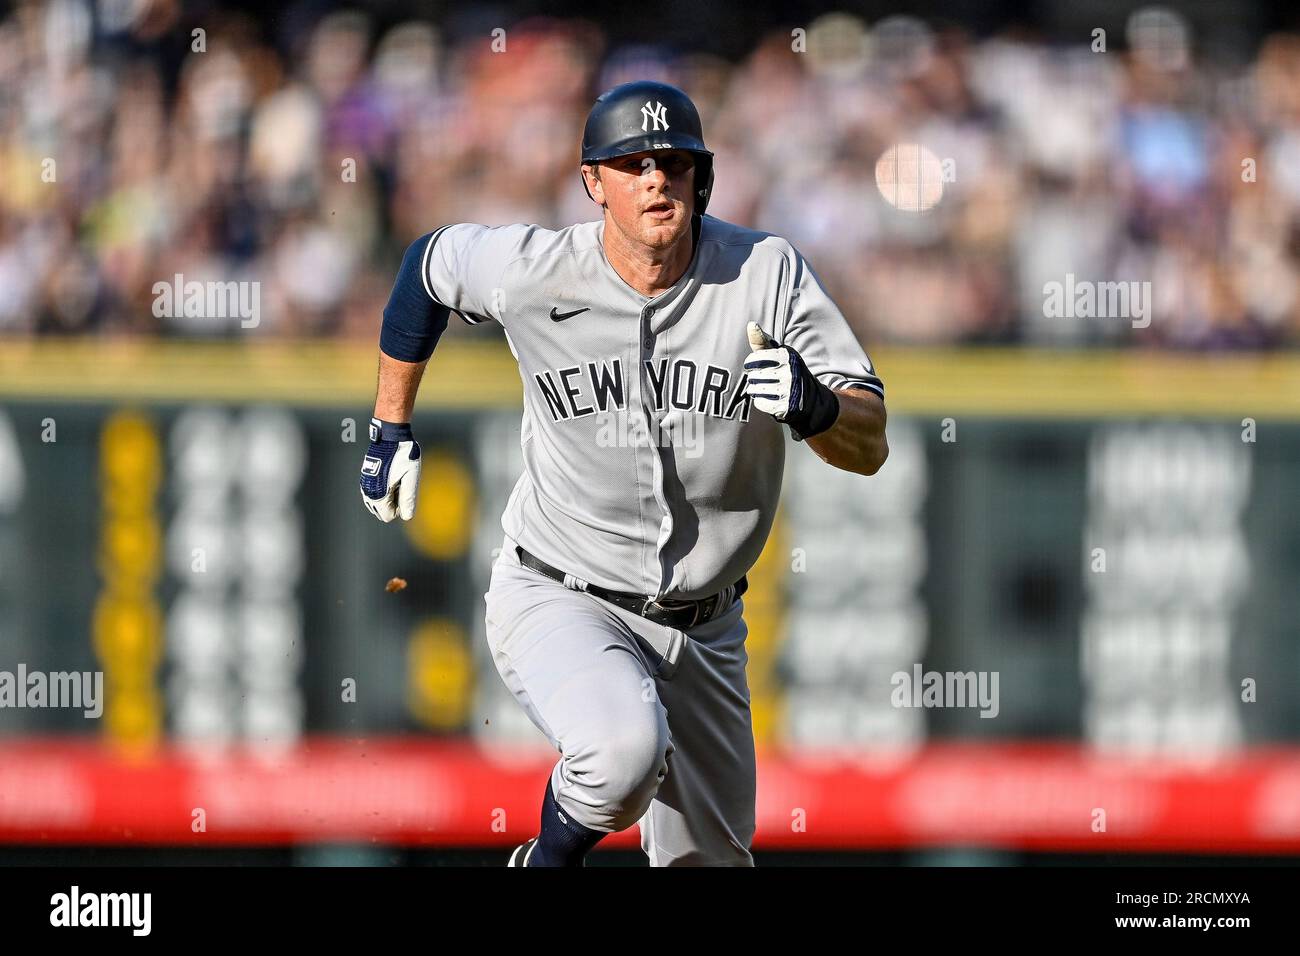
663,353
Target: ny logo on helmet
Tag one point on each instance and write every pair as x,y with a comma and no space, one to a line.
657,115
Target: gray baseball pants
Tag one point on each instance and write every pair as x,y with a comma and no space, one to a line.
652,723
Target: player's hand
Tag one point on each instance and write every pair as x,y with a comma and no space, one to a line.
781,385
390,473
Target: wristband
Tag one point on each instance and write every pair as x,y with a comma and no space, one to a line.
819,407
390,431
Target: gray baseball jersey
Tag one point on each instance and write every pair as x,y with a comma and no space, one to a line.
645,467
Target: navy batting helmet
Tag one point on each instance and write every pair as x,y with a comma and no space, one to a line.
645,115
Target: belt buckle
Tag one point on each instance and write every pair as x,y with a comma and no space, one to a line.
694,605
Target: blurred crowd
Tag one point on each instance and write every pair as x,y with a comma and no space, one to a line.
138,142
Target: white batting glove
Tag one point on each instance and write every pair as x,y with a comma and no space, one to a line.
780,384
390,473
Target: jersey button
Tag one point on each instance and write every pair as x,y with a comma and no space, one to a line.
649,342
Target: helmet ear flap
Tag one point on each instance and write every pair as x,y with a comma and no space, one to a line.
703,171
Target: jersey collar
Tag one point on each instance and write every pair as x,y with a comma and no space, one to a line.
697,230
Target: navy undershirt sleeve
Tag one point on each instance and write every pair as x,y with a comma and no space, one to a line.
413,319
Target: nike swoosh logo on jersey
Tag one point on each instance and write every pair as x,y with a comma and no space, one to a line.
561,316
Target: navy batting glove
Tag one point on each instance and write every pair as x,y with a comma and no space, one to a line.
390,473
785,389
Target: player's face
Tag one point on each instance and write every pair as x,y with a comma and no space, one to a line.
650,195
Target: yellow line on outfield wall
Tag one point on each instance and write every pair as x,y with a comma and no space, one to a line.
1040,383
469,374
311,373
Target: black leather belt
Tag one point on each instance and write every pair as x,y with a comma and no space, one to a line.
679,614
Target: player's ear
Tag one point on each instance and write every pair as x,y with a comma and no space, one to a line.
595,189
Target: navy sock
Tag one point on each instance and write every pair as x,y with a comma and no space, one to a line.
563,840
